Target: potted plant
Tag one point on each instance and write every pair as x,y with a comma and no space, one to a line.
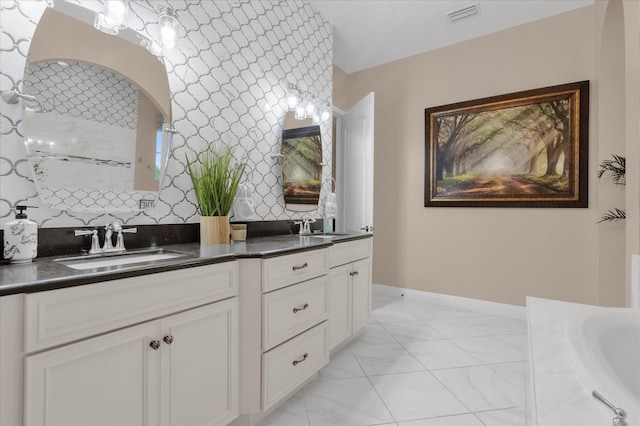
215,175
618,170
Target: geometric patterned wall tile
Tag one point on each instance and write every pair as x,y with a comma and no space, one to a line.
228,76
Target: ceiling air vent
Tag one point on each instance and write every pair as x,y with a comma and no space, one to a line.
462,13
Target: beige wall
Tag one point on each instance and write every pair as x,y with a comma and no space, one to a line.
632,126
494,254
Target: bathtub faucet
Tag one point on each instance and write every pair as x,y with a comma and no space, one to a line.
621,415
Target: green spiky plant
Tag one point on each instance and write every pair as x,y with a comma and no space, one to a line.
618,170
215,175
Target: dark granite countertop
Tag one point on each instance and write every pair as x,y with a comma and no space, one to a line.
48,274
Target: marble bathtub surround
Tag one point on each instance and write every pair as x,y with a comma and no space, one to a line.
401,371
560,397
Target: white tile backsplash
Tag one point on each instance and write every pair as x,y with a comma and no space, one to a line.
228,77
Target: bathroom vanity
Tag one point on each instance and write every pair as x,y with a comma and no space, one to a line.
294,310
222,333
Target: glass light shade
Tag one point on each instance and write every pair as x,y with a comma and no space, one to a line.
326,112
100,23
113,17
301,112
310,106
292,98
168,28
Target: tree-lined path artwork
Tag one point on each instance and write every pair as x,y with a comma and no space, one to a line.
302,165
524,149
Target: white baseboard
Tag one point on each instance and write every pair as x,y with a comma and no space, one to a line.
476,305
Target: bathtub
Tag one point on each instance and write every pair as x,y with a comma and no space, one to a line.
604,348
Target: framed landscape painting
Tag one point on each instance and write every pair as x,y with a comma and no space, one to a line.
525,149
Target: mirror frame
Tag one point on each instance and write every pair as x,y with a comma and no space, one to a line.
66,47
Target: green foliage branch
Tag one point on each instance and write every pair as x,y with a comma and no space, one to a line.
617,167
215,175
618,170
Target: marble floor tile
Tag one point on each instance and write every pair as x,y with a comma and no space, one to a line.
411,331
480,388
453,328
385,359
509,417
477,374
416,395
461,420
392,313
426,312
515,372
438,354
372,334
499,325
293,412
343,365
490,349
345,402
519,340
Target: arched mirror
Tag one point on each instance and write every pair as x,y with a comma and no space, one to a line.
301,164
95,131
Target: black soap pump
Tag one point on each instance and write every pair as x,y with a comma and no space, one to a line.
20,238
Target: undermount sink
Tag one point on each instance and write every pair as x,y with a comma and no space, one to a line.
327,235
104,260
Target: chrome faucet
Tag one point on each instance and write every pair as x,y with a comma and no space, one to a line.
305,226
109,229
620,418
108,232
119,238
95,243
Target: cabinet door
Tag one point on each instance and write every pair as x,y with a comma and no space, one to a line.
200,365
339,304
361,293
107,380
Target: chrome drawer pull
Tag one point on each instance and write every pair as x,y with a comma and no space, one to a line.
305,306
295,268
298,361
168,339
155,344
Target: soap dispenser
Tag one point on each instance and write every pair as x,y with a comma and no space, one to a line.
20,238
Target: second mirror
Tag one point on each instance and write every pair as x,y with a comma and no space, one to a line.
301,164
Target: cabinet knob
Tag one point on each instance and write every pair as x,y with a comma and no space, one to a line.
298,361
305,306
168,339
295,268
155,344
355,272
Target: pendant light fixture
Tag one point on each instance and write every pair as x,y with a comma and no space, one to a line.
113,17
168,28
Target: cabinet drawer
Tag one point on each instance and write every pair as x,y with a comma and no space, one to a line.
282,271
60,316
342,253
287,366
292,310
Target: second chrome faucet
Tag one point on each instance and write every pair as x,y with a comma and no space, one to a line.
108,246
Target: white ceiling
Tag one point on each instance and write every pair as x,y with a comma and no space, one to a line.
367,33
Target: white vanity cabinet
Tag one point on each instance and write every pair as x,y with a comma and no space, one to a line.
349,289
156,349
283,328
